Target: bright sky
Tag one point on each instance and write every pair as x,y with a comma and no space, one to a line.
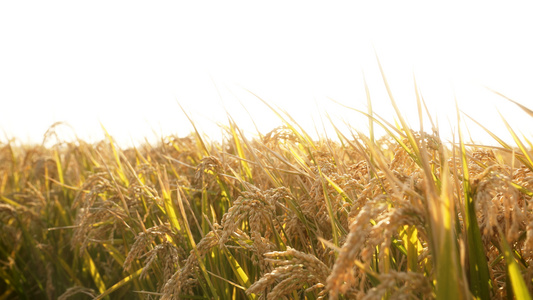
127,64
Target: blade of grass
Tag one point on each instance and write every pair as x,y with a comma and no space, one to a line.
370,111
409,236
501,142
528,161
120,170
97,278
167,200
117,187
405,126
190,238
449,275
513,269
479,272
329,207
240,151
305,137
198,136
272,178
119,284
387,127
524,108
59,169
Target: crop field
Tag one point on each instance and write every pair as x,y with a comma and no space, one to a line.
279,216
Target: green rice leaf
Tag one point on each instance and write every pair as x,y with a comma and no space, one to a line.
119,284
479,273
513,269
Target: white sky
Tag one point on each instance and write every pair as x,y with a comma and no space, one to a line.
126,64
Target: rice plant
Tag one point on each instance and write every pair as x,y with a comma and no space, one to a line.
280,216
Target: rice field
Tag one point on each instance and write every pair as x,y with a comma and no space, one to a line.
280,216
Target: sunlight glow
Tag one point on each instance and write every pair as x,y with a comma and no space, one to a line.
126,64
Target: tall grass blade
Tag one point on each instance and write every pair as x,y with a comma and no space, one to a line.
405,126
240,151
95,274
275,181
503,143
120,170
194,247
119,284
332,217
524,108
303,136
518,284
370,111
479,272
198,136
167,200
449,275
527,161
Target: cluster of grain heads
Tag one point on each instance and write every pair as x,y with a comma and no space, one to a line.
301,271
